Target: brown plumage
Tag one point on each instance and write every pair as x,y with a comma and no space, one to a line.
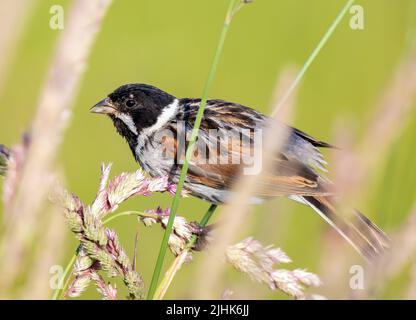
154,123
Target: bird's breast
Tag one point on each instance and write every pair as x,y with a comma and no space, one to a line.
153,157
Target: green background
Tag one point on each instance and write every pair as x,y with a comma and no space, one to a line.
170,44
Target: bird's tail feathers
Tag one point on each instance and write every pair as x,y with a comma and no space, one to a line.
364,236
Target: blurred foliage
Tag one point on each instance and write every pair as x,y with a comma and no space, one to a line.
170,44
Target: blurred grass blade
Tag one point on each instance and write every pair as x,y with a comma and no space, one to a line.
12,24
235,216
51,119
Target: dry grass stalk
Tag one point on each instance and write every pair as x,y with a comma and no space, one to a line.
345,160
333,266
257,261
235,214
358,164
355,165
101,249
84,21
100,246
411,291
49,239
170,274
14,17
48,252
336,256
392,111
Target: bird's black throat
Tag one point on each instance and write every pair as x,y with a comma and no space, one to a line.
126,133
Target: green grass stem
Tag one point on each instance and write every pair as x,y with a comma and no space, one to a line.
232,9
314,54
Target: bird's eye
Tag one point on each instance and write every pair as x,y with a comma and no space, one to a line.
130,103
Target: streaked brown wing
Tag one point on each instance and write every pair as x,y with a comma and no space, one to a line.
287,176
291,177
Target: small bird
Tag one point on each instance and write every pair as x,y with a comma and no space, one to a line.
156,126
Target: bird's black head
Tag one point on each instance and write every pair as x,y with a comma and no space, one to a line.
137,109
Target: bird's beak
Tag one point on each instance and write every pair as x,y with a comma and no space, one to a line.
104,106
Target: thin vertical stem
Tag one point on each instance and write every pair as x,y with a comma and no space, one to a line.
180,259
175,204
56,293
314,54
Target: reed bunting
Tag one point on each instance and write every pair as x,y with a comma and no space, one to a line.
156,125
